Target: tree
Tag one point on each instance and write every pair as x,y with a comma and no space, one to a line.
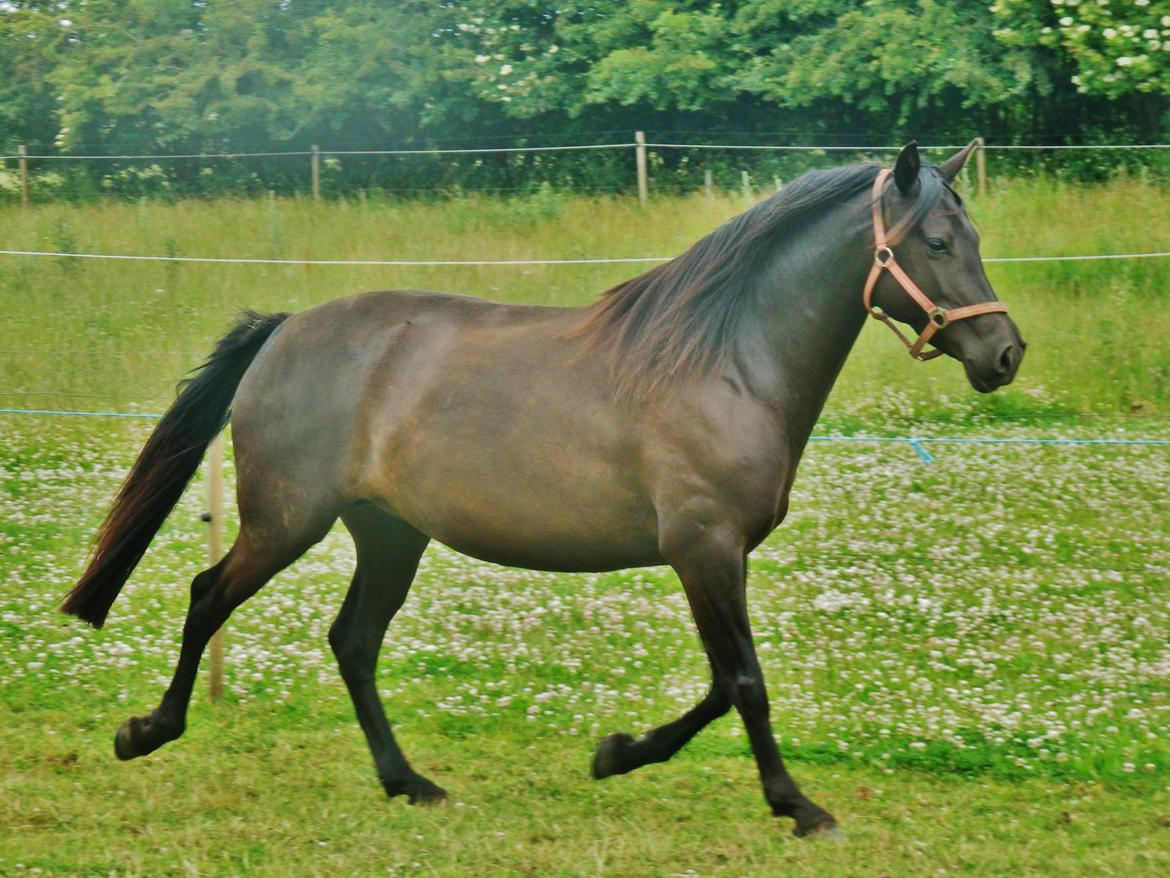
30,38
869,68
192,76
1118,49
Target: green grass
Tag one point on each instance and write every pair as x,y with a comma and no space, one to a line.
967,661
258,796
125,331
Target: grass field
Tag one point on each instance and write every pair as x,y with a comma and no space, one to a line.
967,660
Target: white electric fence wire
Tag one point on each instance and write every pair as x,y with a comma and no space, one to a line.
234,260
569,148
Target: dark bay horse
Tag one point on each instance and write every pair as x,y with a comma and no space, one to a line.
663,424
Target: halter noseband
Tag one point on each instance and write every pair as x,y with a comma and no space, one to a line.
883,260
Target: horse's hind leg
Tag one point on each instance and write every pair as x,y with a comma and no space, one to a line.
388,552
257,555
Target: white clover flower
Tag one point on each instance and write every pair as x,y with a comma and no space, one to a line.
1109,33
505,70
481,59
1124,61
1066,21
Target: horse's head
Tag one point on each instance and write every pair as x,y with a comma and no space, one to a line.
927,272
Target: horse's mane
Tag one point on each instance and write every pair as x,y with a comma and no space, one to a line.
681,318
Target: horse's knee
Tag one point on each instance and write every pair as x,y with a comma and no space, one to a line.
355,660
718,700
749,695
341,645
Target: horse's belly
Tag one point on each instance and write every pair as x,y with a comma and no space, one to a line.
569,556
523,523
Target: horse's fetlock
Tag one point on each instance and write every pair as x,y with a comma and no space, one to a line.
165,725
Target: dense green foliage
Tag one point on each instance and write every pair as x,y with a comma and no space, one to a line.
176,76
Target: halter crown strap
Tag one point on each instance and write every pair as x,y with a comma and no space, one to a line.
883,260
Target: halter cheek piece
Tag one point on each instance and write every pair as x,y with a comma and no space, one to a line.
883,260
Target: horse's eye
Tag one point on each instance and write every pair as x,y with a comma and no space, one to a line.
936,245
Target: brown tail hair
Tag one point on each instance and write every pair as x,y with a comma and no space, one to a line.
165,465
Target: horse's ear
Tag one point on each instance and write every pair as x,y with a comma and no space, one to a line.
951,167
906,168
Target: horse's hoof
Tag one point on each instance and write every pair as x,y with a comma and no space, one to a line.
124,747
827,830
831,833
608,760
141,735
427,794
417,789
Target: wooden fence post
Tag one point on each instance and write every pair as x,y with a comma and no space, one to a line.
23,154
214,518
745,180
981,166
640,161
316,163
708,183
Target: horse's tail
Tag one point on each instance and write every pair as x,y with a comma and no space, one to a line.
165,465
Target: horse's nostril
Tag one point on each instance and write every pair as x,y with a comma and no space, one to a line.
1007,360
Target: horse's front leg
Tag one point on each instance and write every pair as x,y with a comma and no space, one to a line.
620,753
713,567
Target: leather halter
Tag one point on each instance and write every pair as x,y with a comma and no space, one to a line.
883,260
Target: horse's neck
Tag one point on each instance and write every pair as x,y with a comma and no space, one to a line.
810,315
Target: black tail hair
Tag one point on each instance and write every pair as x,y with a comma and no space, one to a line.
165,465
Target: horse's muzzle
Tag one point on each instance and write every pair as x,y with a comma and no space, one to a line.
998,370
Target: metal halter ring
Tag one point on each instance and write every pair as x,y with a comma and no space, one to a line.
883,255
938,317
